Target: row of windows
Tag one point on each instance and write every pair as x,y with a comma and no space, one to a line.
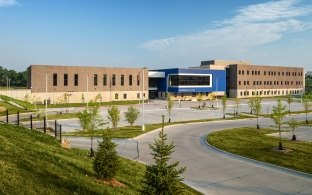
271,83
268,92
271,73
125,96
189,80
95,80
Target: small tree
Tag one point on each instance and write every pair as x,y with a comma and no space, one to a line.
83,99
237,104
257,108
278,114
251,104
162,178
132,115
114,116
224,104
169,105
199,98
306,102
90,120
211,97
289,100
106,162
293,124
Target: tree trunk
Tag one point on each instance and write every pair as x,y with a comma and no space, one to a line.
91,149
258,127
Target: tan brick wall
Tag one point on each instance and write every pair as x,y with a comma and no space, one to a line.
86,82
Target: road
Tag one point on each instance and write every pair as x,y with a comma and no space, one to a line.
212,172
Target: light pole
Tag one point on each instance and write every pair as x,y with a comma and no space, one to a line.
143,126
87,95
7,86
46,100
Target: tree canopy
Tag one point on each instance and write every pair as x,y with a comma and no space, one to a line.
17,79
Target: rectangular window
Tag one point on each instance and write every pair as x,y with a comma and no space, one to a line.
104,79
95,79
138,79
76,79
239,82
122,80
138,95
239,72
125,96
264,72
113,80
65,79
189,80
258,72
116,96
130,80
247,72
54,79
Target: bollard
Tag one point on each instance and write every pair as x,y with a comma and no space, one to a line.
44,124
7,116
60,133
18,118
55,128
31,120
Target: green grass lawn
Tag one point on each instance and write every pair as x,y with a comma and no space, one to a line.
53,117
34,163
12,109
255,144
130,132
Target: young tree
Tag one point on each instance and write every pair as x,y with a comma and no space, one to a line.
306,102
278,114
199,98
114,116
293,124
211,97
90,120
257,108
162,178
224,104
289,100
169,105
237,104
132,115
106,162
251,104
83,99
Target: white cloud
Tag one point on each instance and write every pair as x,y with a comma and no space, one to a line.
253,26
5,3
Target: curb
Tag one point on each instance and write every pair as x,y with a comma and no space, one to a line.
254,162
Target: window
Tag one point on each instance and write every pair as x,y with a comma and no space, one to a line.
247,72
239,72
113,79
244,82
122,80
193,94
189,80
239,82
95,79
104,79
65,79
258,72
252,72
116,96
54,79
76,79
130,80
264,73
254,83
242,72
247,82
138,79
125,96
138,95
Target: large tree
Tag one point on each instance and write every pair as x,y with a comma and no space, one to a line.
162,178
279,111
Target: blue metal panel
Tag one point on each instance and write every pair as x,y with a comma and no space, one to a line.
218,80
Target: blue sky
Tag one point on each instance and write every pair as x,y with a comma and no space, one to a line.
154,33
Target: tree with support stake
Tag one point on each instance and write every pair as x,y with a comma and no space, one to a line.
289,100
224,104
278,114
257,108
90,120
293,124
169,106
307,104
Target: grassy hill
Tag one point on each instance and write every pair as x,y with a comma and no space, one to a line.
34,163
